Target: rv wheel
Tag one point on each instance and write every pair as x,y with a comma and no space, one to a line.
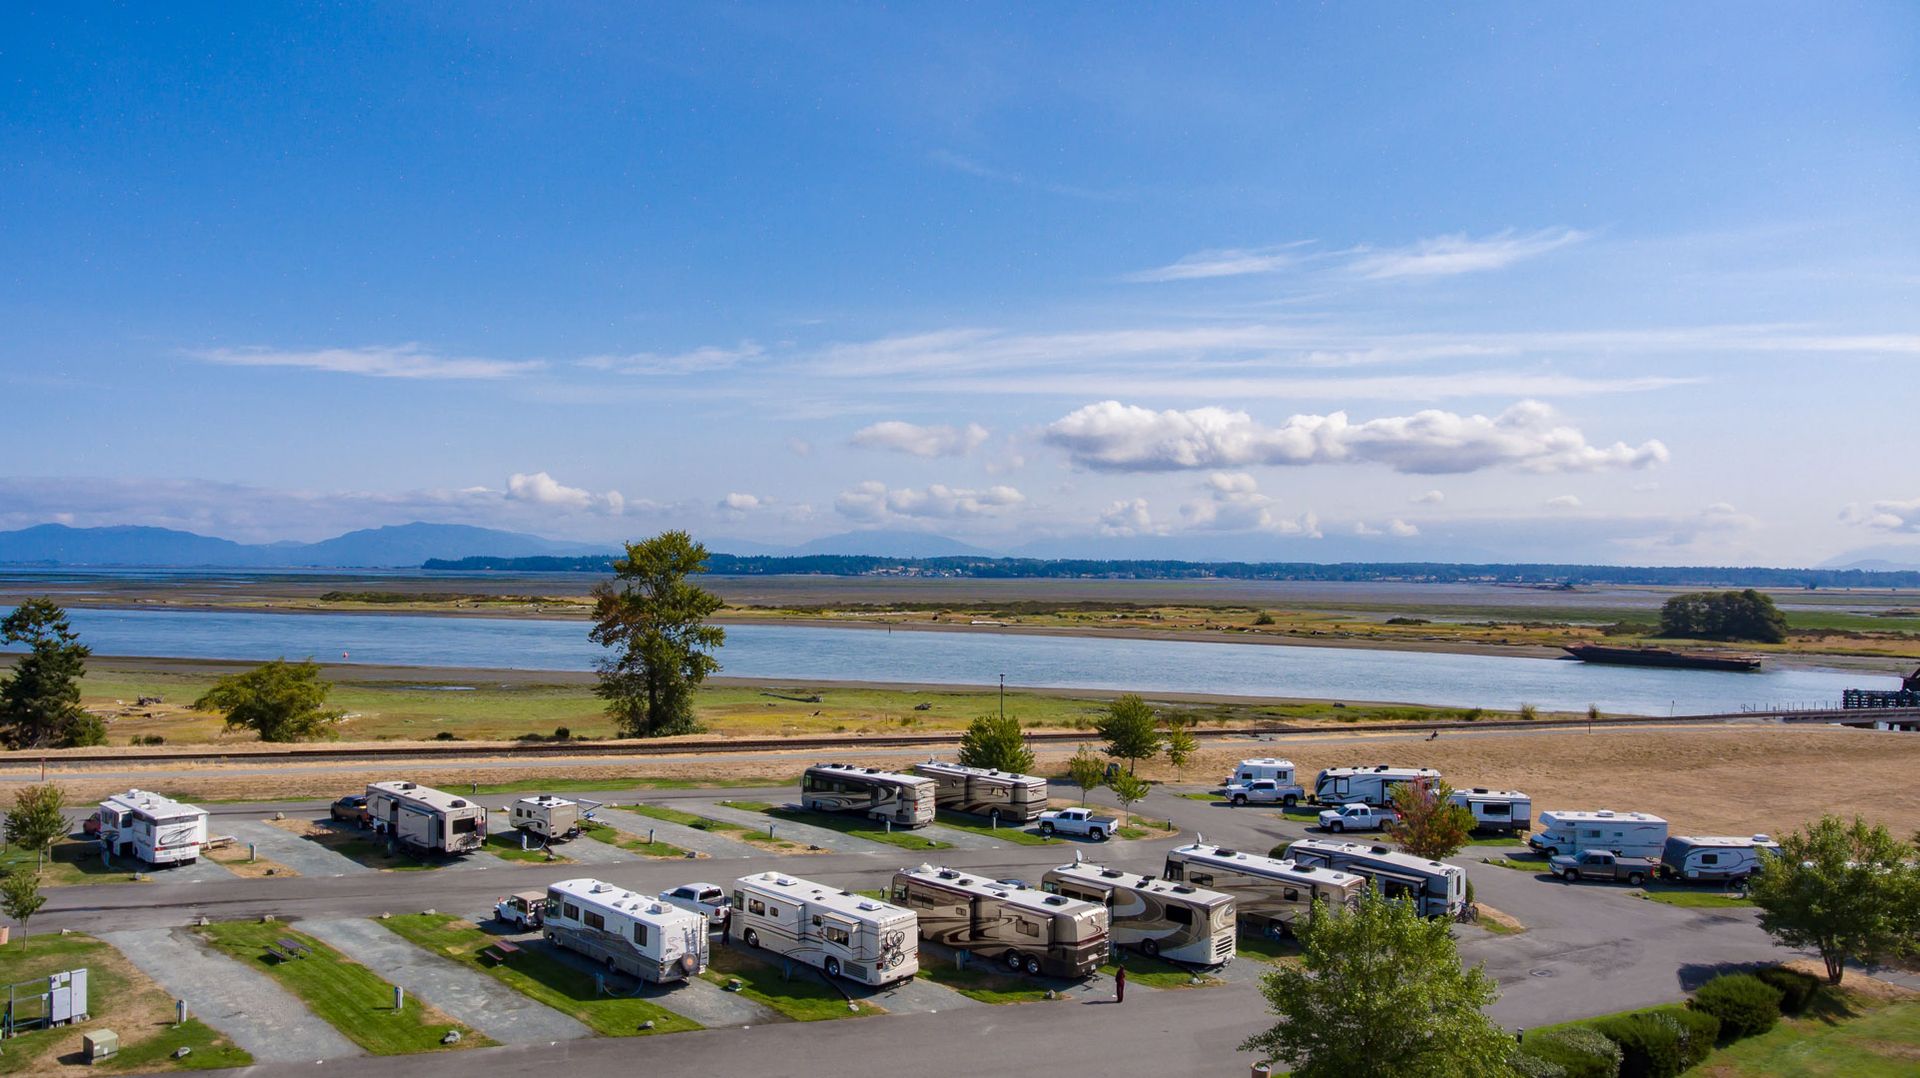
833,967
751,938
1634,878
1013,961
1239,799
1033,966
1150,948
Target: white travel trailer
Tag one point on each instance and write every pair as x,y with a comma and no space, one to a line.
982,791
426,820
1264,767
1267,892
1159,918
1496,810
902,800
845,934
155,829
1366,785
1436,888
1023,929
626,930
1714,857
549,818
1629,834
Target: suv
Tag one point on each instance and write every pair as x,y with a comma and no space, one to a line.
352,809
705,899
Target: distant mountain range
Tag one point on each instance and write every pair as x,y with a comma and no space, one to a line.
397,546
1886,558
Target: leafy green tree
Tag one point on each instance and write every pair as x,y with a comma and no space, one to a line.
1746,615
657,620
38,818
1380,985
1180,745
40,699
280,701
20,897
1129,730
996,741
1430,825
1086,771
1128,788
1845,890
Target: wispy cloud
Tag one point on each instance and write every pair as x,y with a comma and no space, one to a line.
539,488
702,360
873,501
1224,262
1445,256
959,162
409,360
1888,514
922,441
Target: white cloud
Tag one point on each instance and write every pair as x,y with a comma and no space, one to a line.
1891,515
1129,517
1431,497
874,501
539,488
922,441
1111,436
1449,255
1564,501
1233,503
737,502
698,361
1401,529
1223,262
374,361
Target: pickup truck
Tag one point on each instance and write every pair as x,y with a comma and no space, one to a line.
1356,818
1601,865
1077,821
1265,792
352,809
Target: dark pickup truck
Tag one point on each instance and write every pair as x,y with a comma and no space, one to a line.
1601,865
352,809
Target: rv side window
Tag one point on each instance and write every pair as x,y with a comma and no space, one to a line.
594,920
1175,871
1028,928
572,911
920,902
1491,808
1049,885
1292,895
1590,833
1709,858
756,907
835,934
772,910
899,892
1180,915
1203,879
466,824
816,921
640,933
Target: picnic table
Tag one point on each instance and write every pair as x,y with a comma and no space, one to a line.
502,950
294,946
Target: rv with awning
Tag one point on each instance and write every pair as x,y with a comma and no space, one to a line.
1496,810
1366,785
1159,918
625,930
1018,927
979,791
1269,893
153,828
551,819
1436,888
901,800
426,820
839,932
1629,834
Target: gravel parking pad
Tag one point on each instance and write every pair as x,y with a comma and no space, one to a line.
787,829
304,856
711,843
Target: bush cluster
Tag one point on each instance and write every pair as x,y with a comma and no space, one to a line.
1577,1051
1667,1041
1796,988
1661,1043
1744,1004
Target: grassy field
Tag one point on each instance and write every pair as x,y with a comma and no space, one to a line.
71,861
1517,866
120,998
1157,973
803,997
1694,898
344,994
1265,948
980,982
866,829
738,832
1843,1035
973,825
1138,827
538,977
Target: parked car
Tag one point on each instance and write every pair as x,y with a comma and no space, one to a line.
1265,792
352,809
528,909
1078,821
706,899
1356,818
1602,865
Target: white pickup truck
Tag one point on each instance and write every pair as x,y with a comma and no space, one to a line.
1356,818
1078,821
1265,792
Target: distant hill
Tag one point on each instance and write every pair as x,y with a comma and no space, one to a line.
397,546
1888,557
890,544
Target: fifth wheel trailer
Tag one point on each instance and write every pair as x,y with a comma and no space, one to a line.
1021,928
1366,785
625,930
1159,918
426,820
1629,834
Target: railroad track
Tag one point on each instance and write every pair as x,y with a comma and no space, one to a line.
827,745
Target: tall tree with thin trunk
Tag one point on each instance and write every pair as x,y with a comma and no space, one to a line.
655,620
1844,890
1430,825
1129,730
40,698
37,819
1128,788
1085,771
1180,745
20,897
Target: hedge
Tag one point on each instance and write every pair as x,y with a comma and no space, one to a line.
1744,1004
1578,1051
1700,1030
1649,1044
1796,988
1527,1065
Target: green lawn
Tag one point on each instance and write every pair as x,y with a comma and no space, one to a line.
972,824
1496,840
804,997
613,836
1840,1037
739,832
538,976
846,825
72,861
1265,948
120,999
1139,827
979,982
1517,866
1694,898
346,995
1211,799
1157,972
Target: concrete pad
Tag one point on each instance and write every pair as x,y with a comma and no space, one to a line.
822,837
468,995
203,870
591,851
243,1003
915,995
709,1004
305,856
711,843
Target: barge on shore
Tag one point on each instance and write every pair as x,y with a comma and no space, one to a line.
1684,660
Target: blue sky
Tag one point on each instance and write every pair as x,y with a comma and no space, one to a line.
1636,284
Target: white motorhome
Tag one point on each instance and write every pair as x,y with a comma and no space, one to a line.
1496,810
1267,892
1629,834
1366,785
845,934
1436,888
155,829
626,930
1714,857
1043,933
549,818
1159,918
426,820
981,791
902,800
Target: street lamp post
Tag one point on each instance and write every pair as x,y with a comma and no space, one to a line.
1003,696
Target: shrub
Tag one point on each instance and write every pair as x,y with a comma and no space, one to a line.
1578,1051
1744,1004
1527,1065
1699,1032
1263,618
1796,988
561,733
1649,1044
